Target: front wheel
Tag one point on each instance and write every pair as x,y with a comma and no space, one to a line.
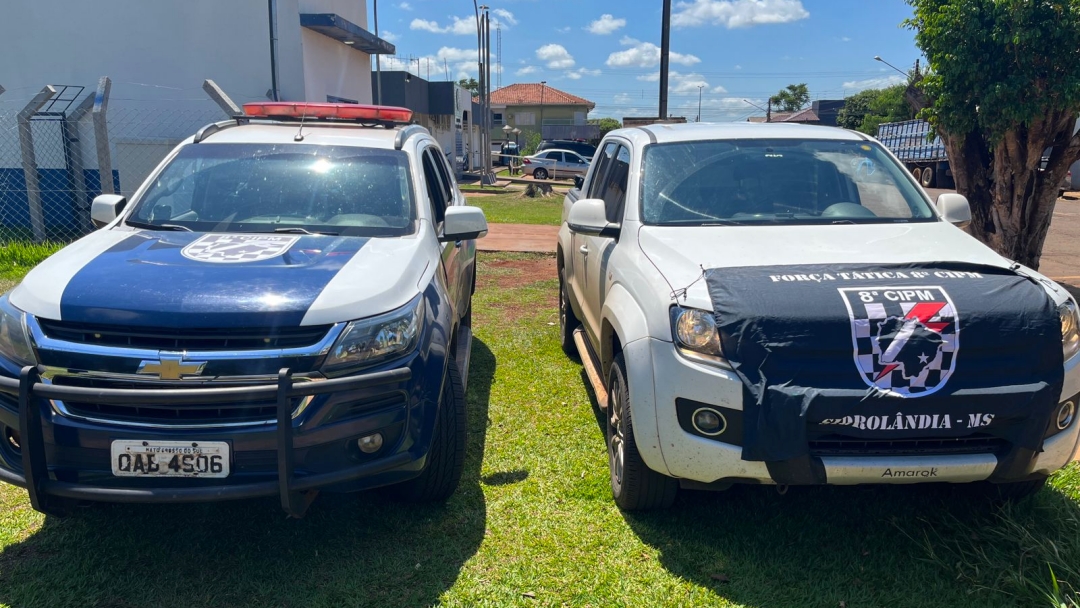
634,485
928,177
446,460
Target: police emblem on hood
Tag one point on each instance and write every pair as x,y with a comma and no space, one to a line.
906,339
237,248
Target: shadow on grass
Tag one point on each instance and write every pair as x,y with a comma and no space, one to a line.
350,549
929,546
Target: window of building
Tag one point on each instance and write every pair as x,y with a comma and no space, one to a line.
526,119
498,118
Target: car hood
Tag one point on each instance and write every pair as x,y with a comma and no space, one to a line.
210,280
680,253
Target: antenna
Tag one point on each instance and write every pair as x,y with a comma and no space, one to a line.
300,134
498,55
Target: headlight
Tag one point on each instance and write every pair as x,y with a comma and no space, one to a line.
695,333
376,339
14,340
1070,329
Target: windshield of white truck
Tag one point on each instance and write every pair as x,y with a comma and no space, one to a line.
776,181
292,188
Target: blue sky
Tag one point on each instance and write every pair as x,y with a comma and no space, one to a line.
607,51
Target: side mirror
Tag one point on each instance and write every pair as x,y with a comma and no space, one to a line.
463,224
954,208
589,216
579,182
106,208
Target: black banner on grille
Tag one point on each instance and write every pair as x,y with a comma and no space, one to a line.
887,351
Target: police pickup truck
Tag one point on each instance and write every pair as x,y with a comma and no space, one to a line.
778,304
282,307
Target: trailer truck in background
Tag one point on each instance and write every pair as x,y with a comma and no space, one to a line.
916,144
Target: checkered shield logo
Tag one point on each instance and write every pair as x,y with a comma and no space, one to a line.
906,339
237,248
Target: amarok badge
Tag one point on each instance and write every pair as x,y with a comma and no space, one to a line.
906,338
237,248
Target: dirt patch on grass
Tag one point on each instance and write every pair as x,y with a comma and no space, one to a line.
508,274
517,273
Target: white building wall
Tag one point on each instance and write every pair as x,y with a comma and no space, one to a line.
333,68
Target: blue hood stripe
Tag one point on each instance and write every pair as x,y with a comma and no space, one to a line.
145,281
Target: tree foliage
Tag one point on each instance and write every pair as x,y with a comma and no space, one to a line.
866,110
469,83
1003,88
606,125
791,98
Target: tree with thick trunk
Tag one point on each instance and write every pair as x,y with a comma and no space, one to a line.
1003,92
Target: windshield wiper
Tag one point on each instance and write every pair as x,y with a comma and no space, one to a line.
149,226
299,230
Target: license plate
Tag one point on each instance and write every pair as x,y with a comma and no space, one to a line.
134,458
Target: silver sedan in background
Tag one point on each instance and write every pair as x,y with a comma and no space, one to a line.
554,164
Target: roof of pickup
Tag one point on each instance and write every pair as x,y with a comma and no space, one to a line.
736,130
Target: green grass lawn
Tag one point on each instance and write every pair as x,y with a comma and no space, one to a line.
512,208
533,523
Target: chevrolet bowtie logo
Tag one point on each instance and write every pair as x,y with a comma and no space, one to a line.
172,367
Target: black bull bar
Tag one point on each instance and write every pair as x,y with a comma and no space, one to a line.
296,493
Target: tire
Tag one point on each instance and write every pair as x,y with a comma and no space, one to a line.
917,174
568,321
927,179
446,460
540,173
634,485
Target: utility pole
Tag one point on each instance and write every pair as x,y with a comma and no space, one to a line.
665,51
699,102
768,111
378,63
488,176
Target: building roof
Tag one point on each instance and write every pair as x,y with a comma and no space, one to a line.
776,117
531,94
807,115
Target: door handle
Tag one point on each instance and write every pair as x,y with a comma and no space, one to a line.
584,249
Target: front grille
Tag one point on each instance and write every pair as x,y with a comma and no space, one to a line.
202,414
185,339
849,446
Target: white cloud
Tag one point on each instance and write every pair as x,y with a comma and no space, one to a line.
605,25
529,69
388,36
683,84
623,98
873,83
556,56
461,61
738,67
564,30
645,55
405,6
845,39
578,73
464,26
505,17
425,25
737,13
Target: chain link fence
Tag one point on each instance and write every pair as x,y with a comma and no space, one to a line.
56,157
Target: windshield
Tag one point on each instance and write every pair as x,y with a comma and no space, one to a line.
281,188
778,181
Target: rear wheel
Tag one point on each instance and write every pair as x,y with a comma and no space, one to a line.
917,174
446,460
540,173
927,177
634,485
568,321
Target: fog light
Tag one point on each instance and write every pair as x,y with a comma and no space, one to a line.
370,444
1065,415
709,422
13,441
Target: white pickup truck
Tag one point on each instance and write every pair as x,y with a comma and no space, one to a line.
783,304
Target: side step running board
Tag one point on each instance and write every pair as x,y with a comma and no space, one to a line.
588,360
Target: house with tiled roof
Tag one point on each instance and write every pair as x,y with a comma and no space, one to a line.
821,112
530,107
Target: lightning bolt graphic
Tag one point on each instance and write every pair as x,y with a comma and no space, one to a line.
923,312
